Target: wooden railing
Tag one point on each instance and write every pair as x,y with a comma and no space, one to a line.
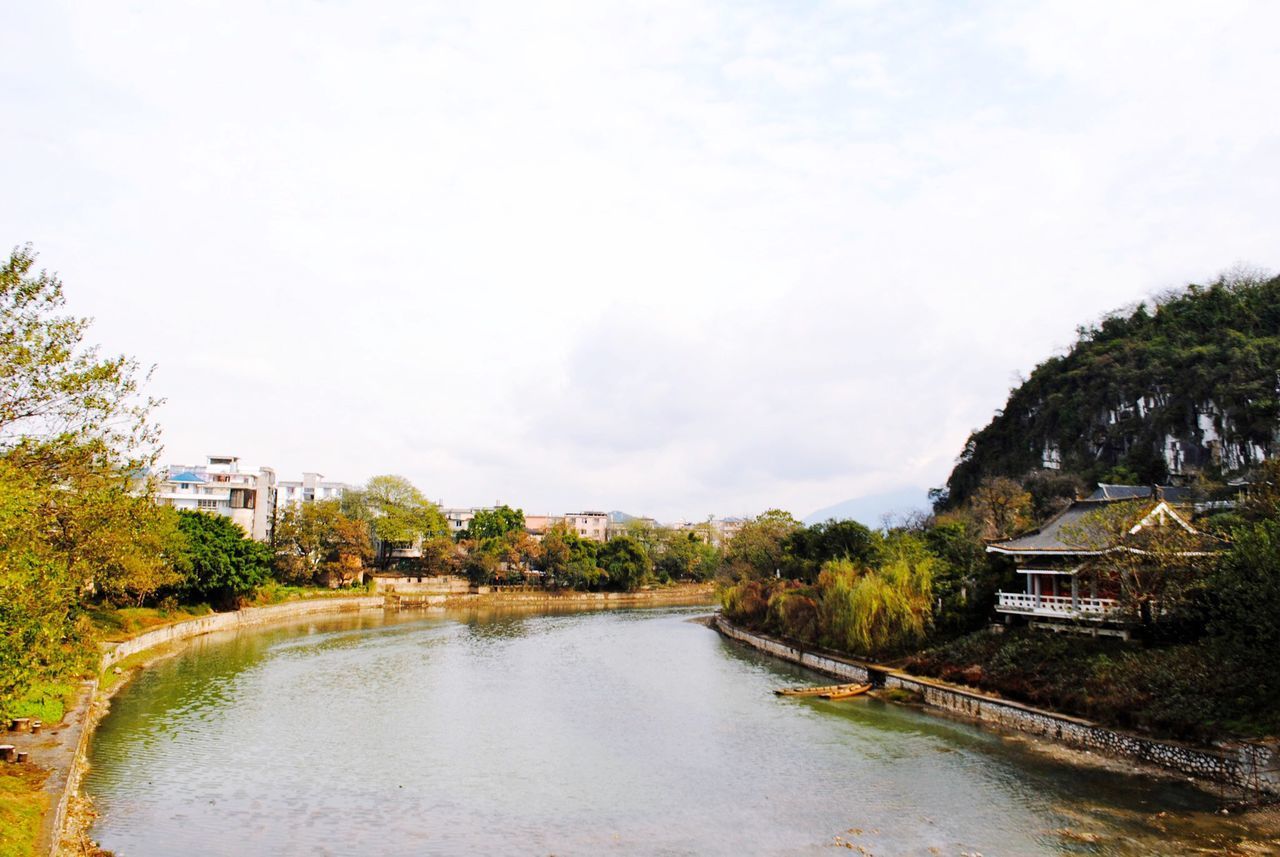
1056,605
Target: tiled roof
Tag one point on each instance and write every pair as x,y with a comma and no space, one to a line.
1051,537
1172,493
187,477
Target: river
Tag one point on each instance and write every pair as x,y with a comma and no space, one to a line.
575,733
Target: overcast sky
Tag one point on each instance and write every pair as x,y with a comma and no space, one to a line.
676,258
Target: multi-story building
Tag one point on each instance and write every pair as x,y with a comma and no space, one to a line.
222,486
459,519
622,524
312,487
537,525
589,525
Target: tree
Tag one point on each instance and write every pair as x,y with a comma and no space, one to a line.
220,563
501,558
758,549
52,385
556,551
1261,501
1051,491
398,513
812,546
625,563
1002,507
1151,555
1244,615
315,542
966,577
495,523
682,555
874,611
569,560
76,518
42,635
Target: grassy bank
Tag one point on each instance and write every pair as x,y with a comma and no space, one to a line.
1175,691
23,803
46,700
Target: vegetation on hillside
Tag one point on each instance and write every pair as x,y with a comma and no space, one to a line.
1208,353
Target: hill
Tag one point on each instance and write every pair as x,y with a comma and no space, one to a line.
1187,384
871,510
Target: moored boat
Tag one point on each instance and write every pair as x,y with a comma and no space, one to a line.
852,690
818,691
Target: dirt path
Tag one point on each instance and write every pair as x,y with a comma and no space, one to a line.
54,750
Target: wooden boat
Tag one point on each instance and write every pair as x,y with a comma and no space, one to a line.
854,690
820,691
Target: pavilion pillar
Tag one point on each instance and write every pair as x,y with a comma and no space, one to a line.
1075,592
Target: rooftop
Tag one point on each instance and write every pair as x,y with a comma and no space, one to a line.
1064,532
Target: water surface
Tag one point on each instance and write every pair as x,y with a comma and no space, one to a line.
627,732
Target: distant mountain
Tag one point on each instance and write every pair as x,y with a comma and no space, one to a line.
871,510
1187,385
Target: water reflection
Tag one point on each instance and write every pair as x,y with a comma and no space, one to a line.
572,732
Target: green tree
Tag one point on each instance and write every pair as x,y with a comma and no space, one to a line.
875,611
555,553
398,513
808,548
625,563
495,523
75,520
759,548
56,387
1261,502
221,565
1244,614
568,560
42,634
682,555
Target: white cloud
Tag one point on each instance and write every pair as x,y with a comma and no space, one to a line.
675,258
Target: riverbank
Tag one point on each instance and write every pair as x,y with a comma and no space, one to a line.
1248,770
62,750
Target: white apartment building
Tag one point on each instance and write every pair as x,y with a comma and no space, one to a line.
589,525
223,486
459,519
312,487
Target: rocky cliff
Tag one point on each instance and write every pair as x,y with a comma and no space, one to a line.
1188,383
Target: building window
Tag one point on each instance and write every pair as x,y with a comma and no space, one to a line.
242,498
207,505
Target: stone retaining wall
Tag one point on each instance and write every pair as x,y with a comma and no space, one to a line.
249,616
1253,767
419,584
698,593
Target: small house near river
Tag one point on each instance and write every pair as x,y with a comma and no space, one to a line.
1067,566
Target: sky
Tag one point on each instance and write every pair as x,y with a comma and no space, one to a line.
675,258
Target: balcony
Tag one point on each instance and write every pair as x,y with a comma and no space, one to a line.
1057,606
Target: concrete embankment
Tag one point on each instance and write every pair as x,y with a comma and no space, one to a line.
1251,767
693,594
246,618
